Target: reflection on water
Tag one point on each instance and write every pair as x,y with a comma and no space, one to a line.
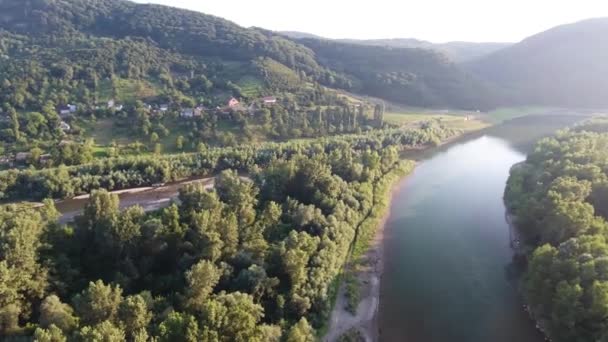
447,243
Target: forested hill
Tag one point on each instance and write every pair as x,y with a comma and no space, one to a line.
414,76
563,66
169,28
105,38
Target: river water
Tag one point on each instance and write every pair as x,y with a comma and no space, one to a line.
447,243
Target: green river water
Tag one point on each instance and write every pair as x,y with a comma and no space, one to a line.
447,243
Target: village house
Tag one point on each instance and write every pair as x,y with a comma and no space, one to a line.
164,107
187,113
111,104
233,103
72,108
119,107
64,111
191,112
269,100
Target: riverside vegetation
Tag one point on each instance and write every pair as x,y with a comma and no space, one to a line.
559,197
251,260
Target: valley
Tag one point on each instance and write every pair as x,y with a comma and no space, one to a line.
171,175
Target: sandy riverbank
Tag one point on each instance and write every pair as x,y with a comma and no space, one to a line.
369,274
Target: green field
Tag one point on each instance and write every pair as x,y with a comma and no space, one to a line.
452,121
508,113
127,91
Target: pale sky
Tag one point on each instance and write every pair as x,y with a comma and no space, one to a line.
433,20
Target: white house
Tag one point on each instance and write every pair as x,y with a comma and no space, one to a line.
164,107
269,100
191,112
72,108
111,104
187,113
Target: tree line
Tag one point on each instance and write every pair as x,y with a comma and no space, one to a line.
126,172
250,260
559,197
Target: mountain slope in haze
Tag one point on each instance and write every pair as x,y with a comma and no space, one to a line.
417,77
566,66
457,51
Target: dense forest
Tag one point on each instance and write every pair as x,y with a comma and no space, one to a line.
125,172
253,259
418,77
559,197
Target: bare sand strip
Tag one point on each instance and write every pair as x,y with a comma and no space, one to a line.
366,318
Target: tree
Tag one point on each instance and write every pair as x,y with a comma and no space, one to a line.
102,332
134,314
55,313
12,113
301,332
179,142
232,317
98,303
154,138
178,327
239,194
23,279
49,334
201,279
102,210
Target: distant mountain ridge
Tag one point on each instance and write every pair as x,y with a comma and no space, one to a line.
458,51
566,65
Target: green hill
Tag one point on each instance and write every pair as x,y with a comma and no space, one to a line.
413,76
81,40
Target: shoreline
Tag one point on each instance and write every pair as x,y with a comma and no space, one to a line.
369,277
366,319
519,249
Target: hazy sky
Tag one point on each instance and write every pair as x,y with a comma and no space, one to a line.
434,20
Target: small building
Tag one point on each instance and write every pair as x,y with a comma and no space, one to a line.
111,104
64,126
64,111
191,112
72,108
187,113
45,158
5,160
164,107
119,107
269,100
233,103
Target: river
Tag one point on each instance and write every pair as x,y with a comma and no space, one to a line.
447,244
